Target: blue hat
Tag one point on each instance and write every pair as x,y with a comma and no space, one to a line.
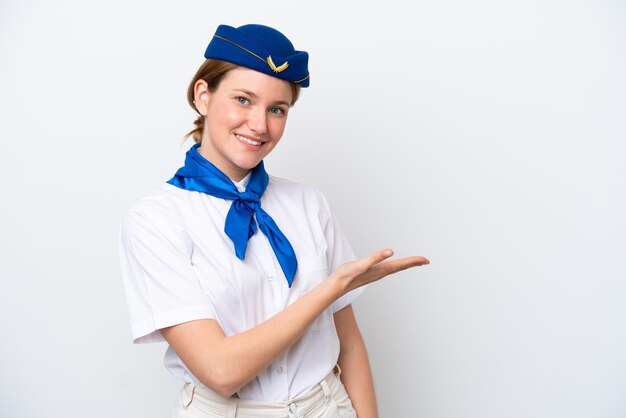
260,48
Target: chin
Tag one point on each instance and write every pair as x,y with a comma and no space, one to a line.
248,164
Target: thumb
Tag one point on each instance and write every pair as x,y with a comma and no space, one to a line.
378,256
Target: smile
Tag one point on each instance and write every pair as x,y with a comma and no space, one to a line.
247,140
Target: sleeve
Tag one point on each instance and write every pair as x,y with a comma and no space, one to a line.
160,283
338,252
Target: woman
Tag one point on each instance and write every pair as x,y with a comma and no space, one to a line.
259,323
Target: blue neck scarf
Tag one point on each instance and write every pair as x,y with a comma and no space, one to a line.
199,175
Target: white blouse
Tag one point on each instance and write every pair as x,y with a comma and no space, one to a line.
178,265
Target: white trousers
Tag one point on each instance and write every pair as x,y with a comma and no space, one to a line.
326,400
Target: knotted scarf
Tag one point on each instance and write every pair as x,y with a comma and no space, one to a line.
199,175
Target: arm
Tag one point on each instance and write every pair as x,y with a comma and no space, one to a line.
356,374
225,364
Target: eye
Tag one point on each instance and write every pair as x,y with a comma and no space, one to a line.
278,111
242,100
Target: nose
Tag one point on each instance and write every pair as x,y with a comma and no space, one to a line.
257,121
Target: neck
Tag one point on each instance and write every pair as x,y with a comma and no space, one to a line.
230,170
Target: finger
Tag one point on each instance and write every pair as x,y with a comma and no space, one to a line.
408,262
416,260
372,260
393,266
377,257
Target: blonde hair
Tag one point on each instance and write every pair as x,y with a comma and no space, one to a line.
213,71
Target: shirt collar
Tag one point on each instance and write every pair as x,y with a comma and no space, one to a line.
243,183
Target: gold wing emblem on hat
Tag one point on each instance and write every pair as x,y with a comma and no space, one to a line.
273,66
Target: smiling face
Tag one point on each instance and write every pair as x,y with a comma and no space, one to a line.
245,119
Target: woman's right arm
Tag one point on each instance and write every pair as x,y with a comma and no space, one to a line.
225,364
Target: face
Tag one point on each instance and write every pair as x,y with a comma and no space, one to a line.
245,119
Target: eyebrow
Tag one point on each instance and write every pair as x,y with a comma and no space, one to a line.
248,92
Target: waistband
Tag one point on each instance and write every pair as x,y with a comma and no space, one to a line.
235,407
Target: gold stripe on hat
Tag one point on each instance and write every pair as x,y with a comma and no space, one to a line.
269,61
302,79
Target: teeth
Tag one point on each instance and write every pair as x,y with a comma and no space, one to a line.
246,140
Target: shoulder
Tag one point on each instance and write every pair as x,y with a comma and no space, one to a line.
167,204
289,187
295,194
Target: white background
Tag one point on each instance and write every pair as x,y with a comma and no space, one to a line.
486,135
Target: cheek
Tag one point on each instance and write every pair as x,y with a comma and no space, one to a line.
277,127
234,118
229,117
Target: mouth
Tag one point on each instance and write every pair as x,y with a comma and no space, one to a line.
247,140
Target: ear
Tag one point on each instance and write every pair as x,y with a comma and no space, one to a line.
201,95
